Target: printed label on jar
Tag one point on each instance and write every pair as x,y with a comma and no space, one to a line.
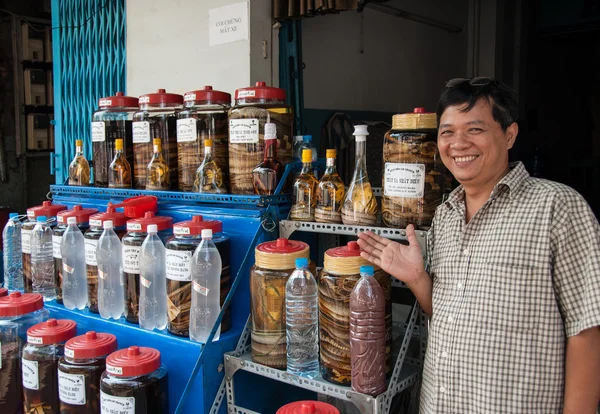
199,288
134,227
71,388
69,353
145,282
31,379
26,241
95,223
246,94
56,246
111,369
116,405
404,180
186,130
34,340
141,132
179,265
243,131
181,231
131,259
98,131
90,252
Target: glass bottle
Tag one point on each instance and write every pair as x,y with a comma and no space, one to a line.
305,188
209,177
119,171
330,193
79,169
267,174
360,205
157,173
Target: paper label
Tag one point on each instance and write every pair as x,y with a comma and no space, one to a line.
141,132
26,241
90,252
116,405
131,259
105,102
31,379
186,130
404,180
145,282
243,131
95,223
199,288
144,99
98,131
111,369
68,268
228,24
246,94
181,231
134,227
56,246
34,340
179,265
69,353
71,388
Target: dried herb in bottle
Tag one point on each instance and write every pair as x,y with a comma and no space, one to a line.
79,169
267,174
305,191
209,177
158,173
119,171
330,193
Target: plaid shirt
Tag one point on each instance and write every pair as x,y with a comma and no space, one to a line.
509,287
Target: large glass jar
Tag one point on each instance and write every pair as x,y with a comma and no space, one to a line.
112,120
204,117
274,263
155,119
414,177
255,106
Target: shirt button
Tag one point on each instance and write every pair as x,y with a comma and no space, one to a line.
450,319
442,389
444,354
466,252
459,286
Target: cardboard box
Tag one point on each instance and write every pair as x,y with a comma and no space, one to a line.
38,132
35,86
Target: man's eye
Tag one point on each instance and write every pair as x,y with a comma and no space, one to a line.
446,133
475,130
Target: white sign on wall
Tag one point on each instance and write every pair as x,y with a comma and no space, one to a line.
228,24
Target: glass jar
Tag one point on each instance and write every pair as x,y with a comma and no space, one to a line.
132,244
112,120
45,346
204,117
83,217
46,209
155,119
255,106
274,263
80,370
18,312
135,380
414,177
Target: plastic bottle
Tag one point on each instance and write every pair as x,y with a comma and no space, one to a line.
153,282
302,322
206,289
13,261
367,334
42,260
307,143
111,284
72,249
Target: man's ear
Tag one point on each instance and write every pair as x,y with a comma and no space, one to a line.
511,134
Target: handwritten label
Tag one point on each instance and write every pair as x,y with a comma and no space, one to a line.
111,369
26,241
34,340
246,94
131,259
134,226
31,379
98,131
56,246
186,130
90,252
141,132
71,388
116,405
404,180
179,265
228,24
243,131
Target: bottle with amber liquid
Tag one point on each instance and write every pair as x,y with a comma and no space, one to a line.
209,177
79,169
119,170
330,193
267,174
157,173
305,191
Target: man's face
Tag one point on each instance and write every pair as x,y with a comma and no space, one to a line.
473,145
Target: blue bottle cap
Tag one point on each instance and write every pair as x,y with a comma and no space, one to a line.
301,262
367,270
41,219
13,215
307,138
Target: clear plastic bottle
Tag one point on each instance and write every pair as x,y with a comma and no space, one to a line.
13,261
42,260
111,286
153,282
206,289
302,322
308,144
74,285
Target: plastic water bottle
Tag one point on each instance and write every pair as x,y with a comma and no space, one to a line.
42,260
13,260
111,283
307,143
206,289
74,285
153,282
302,322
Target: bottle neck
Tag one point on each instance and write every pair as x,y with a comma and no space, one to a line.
78,151
330,166
208,152
361,150
306,168
157,150
119,152
270,149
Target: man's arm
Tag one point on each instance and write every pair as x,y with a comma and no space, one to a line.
582,372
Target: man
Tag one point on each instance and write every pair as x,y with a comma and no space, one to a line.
513,289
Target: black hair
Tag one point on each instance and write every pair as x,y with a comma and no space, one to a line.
501,98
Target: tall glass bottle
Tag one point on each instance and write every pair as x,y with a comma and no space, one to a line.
119,171
209,177
305,189
360,205
330,193
267,174
79,169
13,261
158,175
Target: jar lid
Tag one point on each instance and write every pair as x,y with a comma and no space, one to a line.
195,226
118,101
280,254
17,303
3,292
118,219
418,119
260,91
344,260
53,331
308,407
207,95
46,209
91,345
350,250
133,361
160,97
141,224
81,214
281,246
135,207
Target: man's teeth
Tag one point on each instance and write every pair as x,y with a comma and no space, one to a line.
465,159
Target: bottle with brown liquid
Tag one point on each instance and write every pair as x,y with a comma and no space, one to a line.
209,177
157,173
305,189
267,174
79,169
119,171
330,193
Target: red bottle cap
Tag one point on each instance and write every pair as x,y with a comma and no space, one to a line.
133,361
282,246
53,331
195,226
206,95
308,407
160,97
136,207
3,292
81,214
18,303
118,219
260,91
118,101
350,250
141,224
91,345
46,209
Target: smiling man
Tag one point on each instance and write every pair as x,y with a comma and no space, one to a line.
513,288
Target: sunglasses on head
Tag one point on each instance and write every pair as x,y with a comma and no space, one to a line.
479,81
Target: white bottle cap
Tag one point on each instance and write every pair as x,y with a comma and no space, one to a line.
108,224
71,220
270,131
360,132
152,228
207,233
